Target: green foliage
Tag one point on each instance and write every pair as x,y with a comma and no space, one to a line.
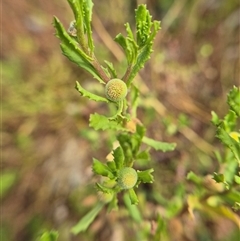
138,49
220,195
119,174
49,236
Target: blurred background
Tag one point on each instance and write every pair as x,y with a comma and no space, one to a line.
47,146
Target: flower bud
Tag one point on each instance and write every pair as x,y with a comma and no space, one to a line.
127,178
116,90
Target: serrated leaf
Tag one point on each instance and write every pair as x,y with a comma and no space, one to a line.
49,236
158,145
146,176
143,23
111,69
101,169
229,121
127,150
100,122
118,157
87,7
234,100
71,50
84,223
88,94
142,57
231,143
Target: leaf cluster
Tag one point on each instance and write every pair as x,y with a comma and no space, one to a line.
222,187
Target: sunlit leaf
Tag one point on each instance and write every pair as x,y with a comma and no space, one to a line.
232,144
234,100
88,94
101,169
118,157
146,176
100,122
71,50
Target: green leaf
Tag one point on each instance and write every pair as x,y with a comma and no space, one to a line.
161,228
84,223
100,122
215,119
103,188
123,139
87,8
146,176
219,178
112,165
133,196
229,121
113,205
158,145
138,51
132,209
194,178
231,143
118,157
144,24
128,44
234,100
101,169
143,156
111,69
236,206
71,50
134,100
237,179
89,95
49,236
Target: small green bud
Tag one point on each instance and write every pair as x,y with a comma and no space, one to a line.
116,90
105,197
127,178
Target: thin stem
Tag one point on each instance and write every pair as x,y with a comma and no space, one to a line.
99,69
127,74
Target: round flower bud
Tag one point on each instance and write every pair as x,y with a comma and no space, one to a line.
127,178
105,197
116,90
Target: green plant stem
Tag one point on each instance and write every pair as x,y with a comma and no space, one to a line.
127,74
99,69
